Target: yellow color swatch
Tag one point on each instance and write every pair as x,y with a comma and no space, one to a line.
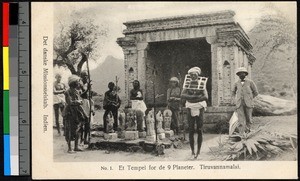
5,68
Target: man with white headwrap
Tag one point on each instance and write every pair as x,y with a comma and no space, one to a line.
196,105
74,114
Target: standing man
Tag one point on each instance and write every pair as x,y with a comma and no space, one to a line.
244,91
138,104
85,90
173,101
58,99
196,105
111,103
74,114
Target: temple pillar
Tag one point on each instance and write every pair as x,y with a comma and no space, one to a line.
214,70
225,73
142,49
128,45
237,62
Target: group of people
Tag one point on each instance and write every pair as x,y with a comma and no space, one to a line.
77,109
195,102
112,102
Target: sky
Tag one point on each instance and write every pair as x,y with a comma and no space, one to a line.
114,14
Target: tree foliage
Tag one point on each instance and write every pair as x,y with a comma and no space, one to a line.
274,40
76,42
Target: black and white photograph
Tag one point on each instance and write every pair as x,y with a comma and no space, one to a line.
211,84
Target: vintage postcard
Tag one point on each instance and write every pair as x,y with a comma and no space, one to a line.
169,90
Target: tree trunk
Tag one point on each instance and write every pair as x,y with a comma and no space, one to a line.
265,105
80,64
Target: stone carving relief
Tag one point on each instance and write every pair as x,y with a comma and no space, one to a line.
226,82
179,22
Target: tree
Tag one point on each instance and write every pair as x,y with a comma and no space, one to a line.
77,42
274,40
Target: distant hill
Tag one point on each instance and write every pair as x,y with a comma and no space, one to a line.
107,72
274,41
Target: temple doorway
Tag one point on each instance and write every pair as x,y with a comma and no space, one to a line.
175,58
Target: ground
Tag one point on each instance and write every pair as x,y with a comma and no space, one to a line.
278,124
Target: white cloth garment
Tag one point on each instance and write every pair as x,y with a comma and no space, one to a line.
58,99
139,105
195,107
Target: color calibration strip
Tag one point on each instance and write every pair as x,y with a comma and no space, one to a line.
6,137
10,88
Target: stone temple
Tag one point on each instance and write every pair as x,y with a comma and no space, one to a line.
160,48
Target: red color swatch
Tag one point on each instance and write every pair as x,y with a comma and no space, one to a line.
5,24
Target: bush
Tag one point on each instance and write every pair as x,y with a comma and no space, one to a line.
255,145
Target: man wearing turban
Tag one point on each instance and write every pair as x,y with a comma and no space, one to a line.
196,105
74,114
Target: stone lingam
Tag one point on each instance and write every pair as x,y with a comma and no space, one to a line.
159,127
150,126
131,132
167,123
122,121
110,134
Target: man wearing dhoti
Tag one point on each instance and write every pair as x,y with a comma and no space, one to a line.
196,105
87,104
173,101
59,102
111,104
138,104
74,116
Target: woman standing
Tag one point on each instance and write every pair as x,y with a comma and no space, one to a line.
173,98
59,89
74,113
195,104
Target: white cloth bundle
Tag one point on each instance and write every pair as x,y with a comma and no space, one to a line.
195,107
233,123
139,105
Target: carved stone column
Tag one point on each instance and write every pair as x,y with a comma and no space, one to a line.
214,72
128,45
236,61
142,49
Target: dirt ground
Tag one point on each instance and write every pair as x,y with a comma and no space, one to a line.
278,124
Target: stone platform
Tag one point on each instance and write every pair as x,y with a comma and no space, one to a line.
126,145
110,136
131,135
